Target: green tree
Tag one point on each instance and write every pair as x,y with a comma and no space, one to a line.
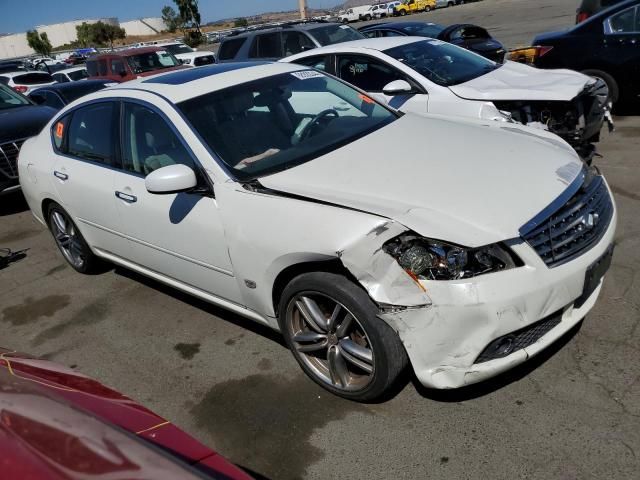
171,19
105,33
84,33
39,42
241,22
189,14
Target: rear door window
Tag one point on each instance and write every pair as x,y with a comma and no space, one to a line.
296,42
230,48
266,45
102,68
91,133
117,66
625,21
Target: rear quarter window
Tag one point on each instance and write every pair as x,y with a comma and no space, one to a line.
59,134
230,48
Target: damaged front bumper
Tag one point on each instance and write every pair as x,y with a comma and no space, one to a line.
447,326
578,121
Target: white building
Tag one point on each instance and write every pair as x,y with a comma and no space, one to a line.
63,33
144,26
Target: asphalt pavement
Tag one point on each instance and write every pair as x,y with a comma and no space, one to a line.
572,413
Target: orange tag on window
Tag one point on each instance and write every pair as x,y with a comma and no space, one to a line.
365,99
59,129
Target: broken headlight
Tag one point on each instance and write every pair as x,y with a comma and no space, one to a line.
427,259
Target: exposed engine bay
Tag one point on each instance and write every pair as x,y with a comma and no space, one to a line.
578,121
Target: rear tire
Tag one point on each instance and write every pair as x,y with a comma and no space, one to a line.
332,328
70,241
614,89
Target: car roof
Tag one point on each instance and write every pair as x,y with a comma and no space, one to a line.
181,85
22,72
62,87
285,26
398,25
72,69
127,52
379,44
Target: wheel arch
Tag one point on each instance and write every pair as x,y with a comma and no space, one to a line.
285,276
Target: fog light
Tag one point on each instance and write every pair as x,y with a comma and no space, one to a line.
504,346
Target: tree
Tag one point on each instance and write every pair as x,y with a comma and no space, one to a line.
189,14
39,42
171,19
241,22
107,33
84,33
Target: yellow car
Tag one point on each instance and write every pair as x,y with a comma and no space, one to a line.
414,6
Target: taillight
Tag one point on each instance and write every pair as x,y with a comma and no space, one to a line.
581,17
20,88
528,55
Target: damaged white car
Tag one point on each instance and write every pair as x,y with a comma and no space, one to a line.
414,74
272,190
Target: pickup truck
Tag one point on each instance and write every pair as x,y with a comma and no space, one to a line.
414,6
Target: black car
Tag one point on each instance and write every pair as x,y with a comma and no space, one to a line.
19,119
465,35
588,8
607,46
60,94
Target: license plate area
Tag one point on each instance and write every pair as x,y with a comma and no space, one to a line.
594,274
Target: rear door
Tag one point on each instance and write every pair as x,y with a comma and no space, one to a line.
85,146
622,44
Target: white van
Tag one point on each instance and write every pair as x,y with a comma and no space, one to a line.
353,14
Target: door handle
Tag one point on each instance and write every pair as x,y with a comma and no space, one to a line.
60,175
126,197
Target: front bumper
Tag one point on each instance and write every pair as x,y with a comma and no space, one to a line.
445,339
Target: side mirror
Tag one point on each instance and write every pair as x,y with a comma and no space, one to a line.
171,179
397,87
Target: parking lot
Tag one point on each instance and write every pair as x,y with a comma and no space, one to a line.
571,413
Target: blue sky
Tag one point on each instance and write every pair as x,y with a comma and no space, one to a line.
21,15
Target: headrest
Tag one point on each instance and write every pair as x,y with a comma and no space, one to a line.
273,96
239,103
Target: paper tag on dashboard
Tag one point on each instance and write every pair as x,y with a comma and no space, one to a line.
306,74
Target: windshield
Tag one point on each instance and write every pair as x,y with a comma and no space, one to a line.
441,62
331,34
149,61
178,48
10,99
423,30
276,123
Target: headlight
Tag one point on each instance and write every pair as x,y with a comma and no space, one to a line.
427,259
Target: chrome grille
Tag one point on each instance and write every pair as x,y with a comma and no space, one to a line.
9,158
576,226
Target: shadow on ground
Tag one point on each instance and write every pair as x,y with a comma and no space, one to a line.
12,204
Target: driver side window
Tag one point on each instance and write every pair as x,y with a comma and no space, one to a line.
149,142
366,73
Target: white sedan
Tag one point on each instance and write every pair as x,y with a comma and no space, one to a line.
272,190
25,81
422,75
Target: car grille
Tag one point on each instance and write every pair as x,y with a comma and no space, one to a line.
9,158
576,226
511,343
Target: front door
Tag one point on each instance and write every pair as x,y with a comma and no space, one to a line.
180,236
372,75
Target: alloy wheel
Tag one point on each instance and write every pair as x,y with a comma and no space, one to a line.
68,238
330,341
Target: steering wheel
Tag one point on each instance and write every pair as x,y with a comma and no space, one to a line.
306,131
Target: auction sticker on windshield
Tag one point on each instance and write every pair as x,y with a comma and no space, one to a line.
306,74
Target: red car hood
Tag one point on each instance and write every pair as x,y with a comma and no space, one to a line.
58,424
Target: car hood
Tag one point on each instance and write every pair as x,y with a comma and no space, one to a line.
516,81
23,122
466,182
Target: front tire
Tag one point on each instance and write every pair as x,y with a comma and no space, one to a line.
70,241
331,326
